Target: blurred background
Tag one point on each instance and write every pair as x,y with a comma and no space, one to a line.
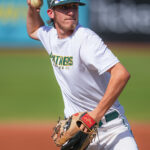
30,99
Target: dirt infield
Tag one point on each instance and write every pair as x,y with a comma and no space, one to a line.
37,137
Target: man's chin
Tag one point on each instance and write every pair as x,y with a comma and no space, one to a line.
71,27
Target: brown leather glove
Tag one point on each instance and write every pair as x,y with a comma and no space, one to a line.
68,135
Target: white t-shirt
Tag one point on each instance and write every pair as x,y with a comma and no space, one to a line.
80,62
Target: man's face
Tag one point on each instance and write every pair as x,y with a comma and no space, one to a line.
66,17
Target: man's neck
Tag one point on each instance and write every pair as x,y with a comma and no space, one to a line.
64,33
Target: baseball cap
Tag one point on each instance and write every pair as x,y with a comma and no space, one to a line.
52,3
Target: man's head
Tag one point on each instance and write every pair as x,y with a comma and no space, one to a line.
64,14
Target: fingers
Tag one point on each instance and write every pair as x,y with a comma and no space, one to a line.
29,2
31,7
38,10
83,128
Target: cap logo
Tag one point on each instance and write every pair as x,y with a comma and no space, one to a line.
57,1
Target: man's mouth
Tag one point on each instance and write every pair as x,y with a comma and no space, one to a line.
70,19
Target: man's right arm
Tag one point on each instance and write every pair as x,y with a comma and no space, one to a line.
34,21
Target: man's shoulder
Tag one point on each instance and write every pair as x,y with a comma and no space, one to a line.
87,33
46,28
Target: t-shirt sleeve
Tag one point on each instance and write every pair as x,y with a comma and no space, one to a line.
43,34
96,56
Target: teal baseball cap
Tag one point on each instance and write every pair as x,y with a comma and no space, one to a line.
52,3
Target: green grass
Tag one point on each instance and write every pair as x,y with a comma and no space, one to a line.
29,90
136,95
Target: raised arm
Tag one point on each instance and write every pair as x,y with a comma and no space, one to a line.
34,21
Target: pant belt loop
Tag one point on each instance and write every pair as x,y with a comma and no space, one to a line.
109,117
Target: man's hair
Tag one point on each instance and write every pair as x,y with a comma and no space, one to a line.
50,22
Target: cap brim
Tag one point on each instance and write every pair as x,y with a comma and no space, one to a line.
63,3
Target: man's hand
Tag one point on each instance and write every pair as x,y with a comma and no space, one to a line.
93,114
31,7
36,3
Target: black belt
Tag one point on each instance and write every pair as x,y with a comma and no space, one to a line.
109,117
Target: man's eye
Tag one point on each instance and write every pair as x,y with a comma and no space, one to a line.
65,7
74,6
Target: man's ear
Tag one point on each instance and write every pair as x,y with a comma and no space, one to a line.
50,13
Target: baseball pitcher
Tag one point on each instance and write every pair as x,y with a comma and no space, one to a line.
90,77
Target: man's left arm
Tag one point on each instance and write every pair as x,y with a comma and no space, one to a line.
118,80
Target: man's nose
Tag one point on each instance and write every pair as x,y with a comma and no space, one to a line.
71,12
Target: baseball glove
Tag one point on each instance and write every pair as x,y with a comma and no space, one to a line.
68,135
